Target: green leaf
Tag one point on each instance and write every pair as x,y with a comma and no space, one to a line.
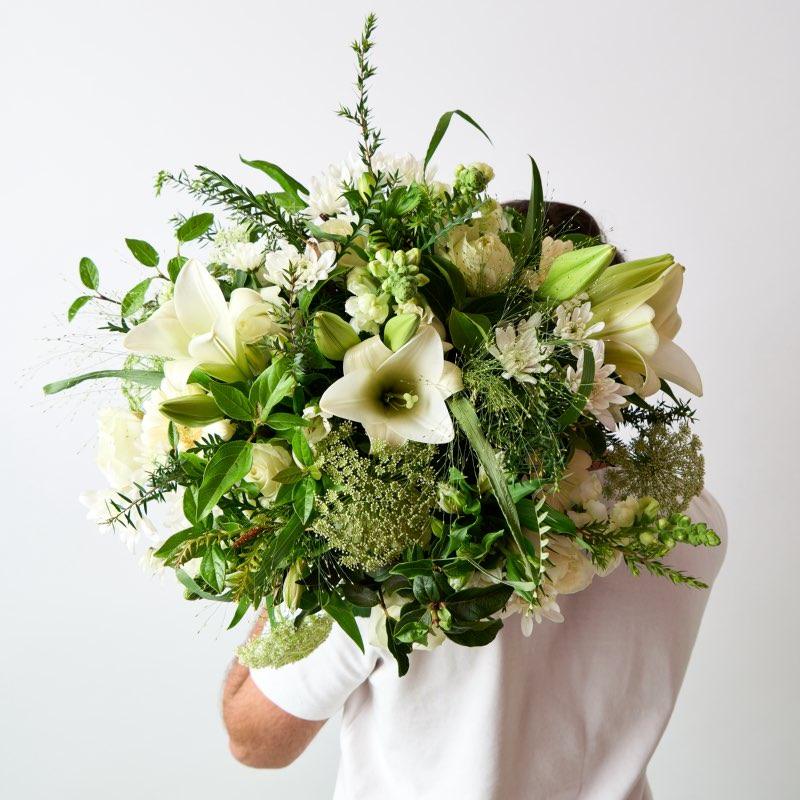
343,614
194,227
77,304
174,266
399,650
477,635
274,384
212,567
190,504
534,220
410,569
192,410
468,332
192,586
225,469
134,299
289,202
90,275
285,422
303,498
231,402
143,252
464,413
359,595
302,449
143,377
452,277
285,541
167,548
581,397
471,605
441,128
289,184
241,610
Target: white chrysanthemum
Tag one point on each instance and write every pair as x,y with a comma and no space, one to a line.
288,267
574,321
407,168
245,256
119,446
607,396
519,350
325,194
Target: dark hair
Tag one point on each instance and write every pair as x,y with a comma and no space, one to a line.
562,218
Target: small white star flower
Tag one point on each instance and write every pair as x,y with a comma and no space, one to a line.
519,350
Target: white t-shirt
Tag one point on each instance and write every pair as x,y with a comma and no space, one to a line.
572,713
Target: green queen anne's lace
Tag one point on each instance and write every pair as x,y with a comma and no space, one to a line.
285,643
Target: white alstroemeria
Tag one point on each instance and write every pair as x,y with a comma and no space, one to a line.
607,396
155,443
367,311
198,328
519,350
320,424
290,269
397,396
574,321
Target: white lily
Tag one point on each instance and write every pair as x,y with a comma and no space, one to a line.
198,328
397,396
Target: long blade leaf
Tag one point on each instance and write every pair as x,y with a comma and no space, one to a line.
441,128
535,217
144,377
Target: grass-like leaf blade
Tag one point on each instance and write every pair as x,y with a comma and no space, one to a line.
143,377
441,129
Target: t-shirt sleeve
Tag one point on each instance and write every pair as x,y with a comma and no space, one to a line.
316,687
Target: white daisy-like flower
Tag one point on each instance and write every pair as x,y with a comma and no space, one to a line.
407,168
245,256
607,396
287,267
325,195
519,350
574,321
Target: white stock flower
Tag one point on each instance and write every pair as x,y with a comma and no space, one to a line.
607,396
367,311
288,268
518,349
119,447
198,328
397,396
320,425
623,512
268,461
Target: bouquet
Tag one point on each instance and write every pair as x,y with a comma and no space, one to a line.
389,396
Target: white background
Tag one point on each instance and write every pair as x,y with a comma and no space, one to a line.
675,123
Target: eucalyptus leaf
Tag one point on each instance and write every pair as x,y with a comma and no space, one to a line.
90,275
143,252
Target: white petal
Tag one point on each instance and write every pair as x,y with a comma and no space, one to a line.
673,364
369,354
177,372
450,382
381,432
428,421
356,396
199,302
160,335
242,299
421,359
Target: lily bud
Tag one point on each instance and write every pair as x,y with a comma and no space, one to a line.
292,590
619,278
399,330
334,337
574,270
194,410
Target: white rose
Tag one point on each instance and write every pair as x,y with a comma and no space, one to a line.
268,461
118,446
479,254
569,569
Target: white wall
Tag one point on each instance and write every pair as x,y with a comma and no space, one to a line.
676,123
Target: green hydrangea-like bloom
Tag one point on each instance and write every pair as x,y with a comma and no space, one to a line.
284,643
662,463
473,179
381,504
398,272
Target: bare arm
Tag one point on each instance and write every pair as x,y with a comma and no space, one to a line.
261,734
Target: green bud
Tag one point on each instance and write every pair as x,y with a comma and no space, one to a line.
194,410
450,499
292,590
648,508
334,337
445,618
399,330
647,538
573,271
366,186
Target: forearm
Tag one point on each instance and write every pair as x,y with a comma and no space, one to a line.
260,733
